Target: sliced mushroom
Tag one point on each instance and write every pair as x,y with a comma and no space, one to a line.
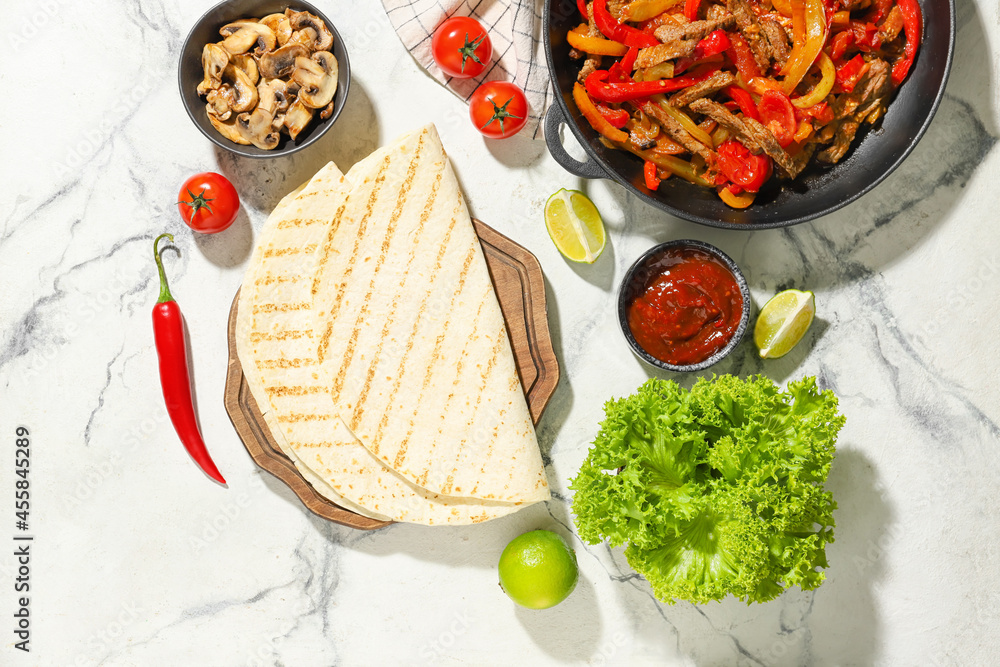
256,127
218,104
242,35
318,78
306,37
248,64
281,62
280,88
228,129
244,91
278,124
327,111
303,20
213,61
281,26
297,118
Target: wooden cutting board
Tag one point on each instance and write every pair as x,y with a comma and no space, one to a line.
517,279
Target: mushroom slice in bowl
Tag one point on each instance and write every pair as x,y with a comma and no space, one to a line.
244,91
300,21
317,77
228,129
281,62
241,36
248,64
297,118
255,127
280,25
213,61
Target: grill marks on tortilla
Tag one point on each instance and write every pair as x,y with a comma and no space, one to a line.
297,390
436,354
293,250
285,363
280,307
366,387
384,421
324,343
287,334
390,231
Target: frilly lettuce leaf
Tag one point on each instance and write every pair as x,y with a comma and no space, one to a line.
717,490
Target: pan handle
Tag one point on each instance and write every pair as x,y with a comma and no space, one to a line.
554,118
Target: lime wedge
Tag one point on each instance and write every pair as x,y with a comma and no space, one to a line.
575,226
782,322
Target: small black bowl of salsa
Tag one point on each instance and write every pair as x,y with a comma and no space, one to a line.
684,305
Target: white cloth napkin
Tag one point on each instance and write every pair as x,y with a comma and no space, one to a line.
515,28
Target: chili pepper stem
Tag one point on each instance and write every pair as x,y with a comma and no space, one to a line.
164,287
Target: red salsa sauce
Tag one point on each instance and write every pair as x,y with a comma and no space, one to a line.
688,309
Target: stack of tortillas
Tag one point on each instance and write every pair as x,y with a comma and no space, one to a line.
372,340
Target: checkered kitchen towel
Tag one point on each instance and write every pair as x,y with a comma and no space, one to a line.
515,27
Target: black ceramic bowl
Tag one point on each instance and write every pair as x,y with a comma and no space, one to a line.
644,269
818,191
190,73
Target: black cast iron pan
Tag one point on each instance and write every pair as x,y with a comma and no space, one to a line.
818,191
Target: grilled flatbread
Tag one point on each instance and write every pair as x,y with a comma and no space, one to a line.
277,340
422,371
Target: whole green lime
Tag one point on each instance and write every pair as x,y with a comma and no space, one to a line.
538,570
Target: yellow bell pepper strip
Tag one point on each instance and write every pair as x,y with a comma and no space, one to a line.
671,164
804,55
594,117
823,88
685,121
913,26
643,10
741,200
601,88
619,32
596,46
784,7
840,19
804,131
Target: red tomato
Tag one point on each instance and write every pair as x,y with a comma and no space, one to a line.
498,109
742,167
778,115
461,47
208,202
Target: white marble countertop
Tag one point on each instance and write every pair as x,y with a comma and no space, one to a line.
139,560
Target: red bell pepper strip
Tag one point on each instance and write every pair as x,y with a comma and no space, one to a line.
168,332
913,26
691,8
850,73
866,35
822,112
649,175
715,43
745,102
628,60
841,41
880,11
617,117
618,32
741,55
601,88
582,6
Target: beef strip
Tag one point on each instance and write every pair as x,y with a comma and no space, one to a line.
801,159
695,30
709,86
654,55
678,133
874,85
754,136
777,39
751,30
841,142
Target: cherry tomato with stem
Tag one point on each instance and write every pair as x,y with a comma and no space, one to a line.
498,109
461,47
208,202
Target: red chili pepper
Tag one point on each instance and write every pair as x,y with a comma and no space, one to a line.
841,42
618,32
745,102
600,87
713,44
850,73
691,8
617,117
649,174
168,332
739,52
778,115
913,26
